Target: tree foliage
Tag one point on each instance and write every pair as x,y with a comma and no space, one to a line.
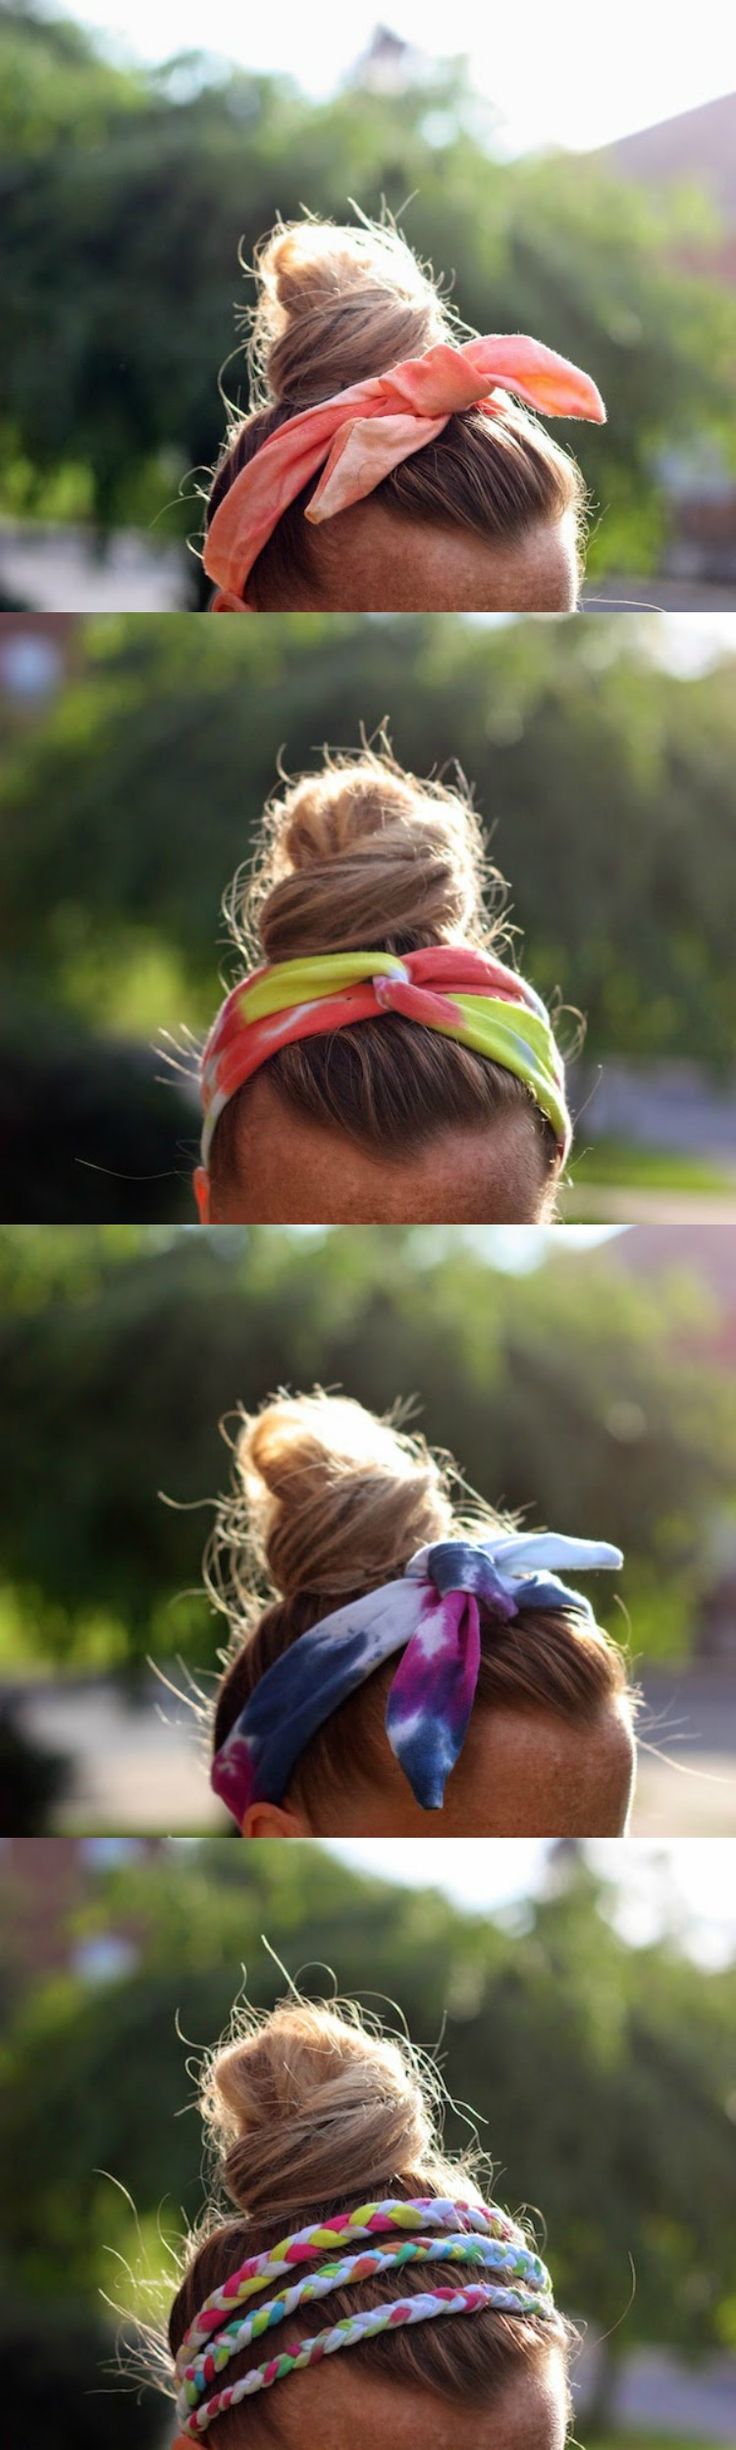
600,2075
604,782
127,194
567,1393
605,787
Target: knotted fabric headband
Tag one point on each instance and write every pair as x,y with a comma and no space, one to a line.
431,1615
363,433
461,992
480,2235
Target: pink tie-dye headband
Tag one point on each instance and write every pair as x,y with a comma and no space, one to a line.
358,437
456,989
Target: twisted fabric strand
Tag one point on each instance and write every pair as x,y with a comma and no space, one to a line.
319,2238
478,2235
402,2311
515,2270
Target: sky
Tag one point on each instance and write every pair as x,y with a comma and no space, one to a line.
691,1878
688,643
514,1249
684,643
551,75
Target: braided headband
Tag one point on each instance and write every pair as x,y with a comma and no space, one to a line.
431,1615
358,437
458,991
477,2234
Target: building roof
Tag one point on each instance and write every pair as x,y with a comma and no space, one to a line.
706,1253
697,145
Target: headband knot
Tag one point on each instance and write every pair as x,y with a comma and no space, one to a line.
387,989
431,1616
453,1566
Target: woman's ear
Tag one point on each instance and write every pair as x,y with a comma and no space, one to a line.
201,1185
273,1820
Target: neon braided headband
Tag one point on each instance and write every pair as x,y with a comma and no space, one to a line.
458,991
431,1615
365,431
477,2234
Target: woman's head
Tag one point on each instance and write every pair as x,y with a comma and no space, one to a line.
386,1120
314,2115
487,515
329,1504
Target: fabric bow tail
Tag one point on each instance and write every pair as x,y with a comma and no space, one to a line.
432,1694
364,451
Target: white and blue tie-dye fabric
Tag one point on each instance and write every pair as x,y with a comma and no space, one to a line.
431,1615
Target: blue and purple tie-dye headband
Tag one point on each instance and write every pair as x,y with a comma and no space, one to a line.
431,1615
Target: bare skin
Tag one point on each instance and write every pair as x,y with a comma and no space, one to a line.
522,1773
334,2404
295,1171
369,560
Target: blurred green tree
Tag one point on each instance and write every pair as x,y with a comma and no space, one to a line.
118,282
569,1389
625,2140
605,785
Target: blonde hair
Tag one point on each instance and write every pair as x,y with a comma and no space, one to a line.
336,305
311,2110
329,1502
366,855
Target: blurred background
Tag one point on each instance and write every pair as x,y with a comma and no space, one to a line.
586,197
613,1967
586,1378
135,761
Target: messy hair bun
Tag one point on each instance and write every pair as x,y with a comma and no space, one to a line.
312,2111
363,855
328,1498
336,305
308,2102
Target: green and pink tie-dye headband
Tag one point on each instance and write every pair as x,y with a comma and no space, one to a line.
455,989
422,2232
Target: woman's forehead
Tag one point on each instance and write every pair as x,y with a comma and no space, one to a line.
341,2406
292,1169
391,563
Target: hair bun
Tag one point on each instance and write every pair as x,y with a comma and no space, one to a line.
308,2107
337,1500
364,856
336,305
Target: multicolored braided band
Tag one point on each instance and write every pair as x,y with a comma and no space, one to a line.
480,2235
